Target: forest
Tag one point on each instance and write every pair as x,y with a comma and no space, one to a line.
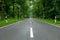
46,9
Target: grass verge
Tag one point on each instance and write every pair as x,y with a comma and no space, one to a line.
50,21
10,21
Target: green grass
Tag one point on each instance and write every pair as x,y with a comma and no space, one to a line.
10,21
50,21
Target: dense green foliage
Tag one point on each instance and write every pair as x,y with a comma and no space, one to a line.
13,9
47,9
26,8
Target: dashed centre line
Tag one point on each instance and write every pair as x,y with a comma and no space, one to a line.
31,32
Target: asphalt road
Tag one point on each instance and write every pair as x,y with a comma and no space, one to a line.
30,29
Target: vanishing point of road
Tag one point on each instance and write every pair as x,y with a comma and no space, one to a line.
30,29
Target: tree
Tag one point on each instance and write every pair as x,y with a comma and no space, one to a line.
2,6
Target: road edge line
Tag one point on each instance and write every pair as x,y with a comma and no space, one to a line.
48,23
11,24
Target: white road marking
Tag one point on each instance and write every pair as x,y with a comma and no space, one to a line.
11,24
31,32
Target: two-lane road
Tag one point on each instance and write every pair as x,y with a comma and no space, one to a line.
30,30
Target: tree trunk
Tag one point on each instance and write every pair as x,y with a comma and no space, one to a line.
43,13
13,10
2,15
